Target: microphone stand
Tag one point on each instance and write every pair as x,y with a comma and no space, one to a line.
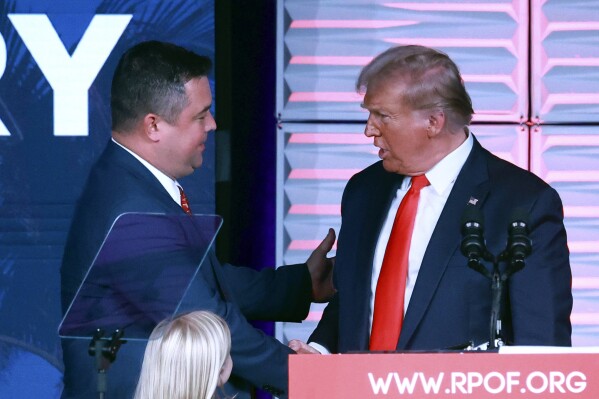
497,294
474,248
104,350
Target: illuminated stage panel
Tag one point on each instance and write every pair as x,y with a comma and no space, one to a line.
509,142
315,162
565,61
567,157
566,154
323,46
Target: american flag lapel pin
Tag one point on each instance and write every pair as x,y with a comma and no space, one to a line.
472,201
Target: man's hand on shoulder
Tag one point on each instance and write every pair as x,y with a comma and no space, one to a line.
321,269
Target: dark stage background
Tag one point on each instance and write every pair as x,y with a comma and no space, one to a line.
46,149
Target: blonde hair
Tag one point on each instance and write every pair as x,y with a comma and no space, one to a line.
184,357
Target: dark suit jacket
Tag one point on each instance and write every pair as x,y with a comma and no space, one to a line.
451,303
119,183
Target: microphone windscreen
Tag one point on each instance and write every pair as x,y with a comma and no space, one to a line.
519,214
472,214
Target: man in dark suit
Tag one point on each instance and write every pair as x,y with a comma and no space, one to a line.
419,112
161,117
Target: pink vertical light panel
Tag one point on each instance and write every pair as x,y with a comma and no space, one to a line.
568,158
565,61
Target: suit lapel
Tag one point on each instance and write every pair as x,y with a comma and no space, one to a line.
472,183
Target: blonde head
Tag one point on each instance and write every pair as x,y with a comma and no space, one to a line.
184,357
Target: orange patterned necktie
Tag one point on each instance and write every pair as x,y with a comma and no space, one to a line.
184,202
391,286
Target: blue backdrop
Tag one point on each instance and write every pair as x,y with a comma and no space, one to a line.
56,64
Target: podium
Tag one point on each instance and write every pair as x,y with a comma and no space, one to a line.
473,375
138,278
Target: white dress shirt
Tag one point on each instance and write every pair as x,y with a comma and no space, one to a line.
170,185
432,201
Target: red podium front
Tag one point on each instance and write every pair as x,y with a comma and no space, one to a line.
473,375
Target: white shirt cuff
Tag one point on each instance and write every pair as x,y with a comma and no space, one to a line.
319,348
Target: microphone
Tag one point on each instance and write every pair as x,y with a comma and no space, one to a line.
519,245
473,242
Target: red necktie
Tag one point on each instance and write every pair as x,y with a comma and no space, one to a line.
184,202
391,286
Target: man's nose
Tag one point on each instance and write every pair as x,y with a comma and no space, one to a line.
210,122
370,130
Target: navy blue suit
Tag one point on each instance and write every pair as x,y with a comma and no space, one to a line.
119,183
451,303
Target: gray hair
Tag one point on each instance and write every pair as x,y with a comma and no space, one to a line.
432,80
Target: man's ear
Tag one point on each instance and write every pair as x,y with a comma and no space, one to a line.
151,130
435,122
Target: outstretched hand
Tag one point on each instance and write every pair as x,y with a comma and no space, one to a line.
321,269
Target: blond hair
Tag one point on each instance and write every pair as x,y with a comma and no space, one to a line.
184,357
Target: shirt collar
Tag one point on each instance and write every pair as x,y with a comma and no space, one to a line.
445,172
170,185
